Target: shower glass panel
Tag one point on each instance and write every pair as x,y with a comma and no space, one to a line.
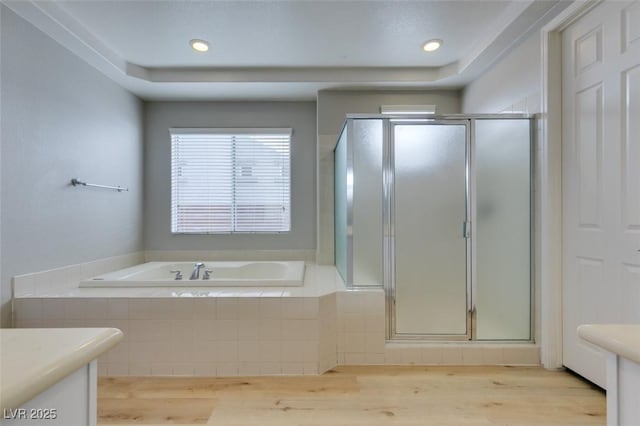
366,222
502,229
340,205
429,211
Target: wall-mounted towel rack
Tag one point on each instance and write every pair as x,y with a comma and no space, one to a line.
76,182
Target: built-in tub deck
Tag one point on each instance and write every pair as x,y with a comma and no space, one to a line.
318,280
199,330
208,274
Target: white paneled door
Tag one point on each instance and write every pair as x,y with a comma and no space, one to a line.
601,177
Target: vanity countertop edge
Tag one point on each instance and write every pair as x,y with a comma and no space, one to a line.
620,339
34,359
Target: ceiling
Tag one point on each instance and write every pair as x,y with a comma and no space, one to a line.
279,49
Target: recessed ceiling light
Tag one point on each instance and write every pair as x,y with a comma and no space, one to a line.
199,45
432,45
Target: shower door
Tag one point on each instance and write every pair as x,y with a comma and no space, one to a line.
428,226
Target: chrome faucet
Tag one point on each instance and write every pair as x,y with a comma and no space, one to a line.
207,274
196,271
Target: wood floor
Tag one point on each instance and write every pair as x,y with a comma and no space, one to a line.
380,395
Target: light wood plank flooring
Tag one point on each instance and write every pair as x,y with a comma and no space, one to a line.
373,395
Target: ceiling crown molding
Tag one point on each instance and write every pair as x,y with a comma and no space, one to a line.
52,20
498,39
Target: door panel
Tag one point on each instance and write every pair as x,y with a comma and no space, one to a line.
601,177
630,158
429,210
589,156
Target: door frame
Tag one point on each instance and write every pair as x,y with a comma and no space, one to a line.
549,244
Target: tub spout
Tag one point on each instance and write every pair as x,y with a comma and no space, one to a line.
196,271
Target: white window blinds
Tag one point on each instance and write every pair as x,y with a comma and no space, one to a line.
230,180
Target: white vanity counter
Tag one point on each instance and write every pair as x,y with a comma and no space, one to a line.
621,339
622,342
40,368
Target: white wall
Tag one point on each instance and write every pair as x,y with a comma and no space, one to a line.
511,85
160,116
333,105
4,313
62,119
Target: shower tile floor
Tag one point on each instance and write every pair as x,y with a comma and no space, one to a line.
371,395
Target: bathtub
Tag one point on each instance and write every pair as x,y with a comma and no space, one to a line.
222,274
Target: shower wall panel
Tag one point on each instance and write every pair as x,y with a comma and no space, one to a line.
367,137
340,205
502,229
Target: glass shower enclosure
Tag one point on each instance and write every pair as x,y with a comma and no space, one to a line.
437,211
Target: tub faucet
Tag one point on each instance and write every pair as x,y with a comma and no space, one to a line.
207,274
196,271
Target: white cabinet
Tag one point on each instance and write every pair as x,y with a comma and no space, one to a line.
72,401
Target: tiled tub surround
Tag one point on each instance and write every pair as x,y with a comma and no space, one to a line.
245,331
203,331
56,281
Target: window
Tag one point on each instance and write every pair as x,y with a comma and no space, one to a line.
230,180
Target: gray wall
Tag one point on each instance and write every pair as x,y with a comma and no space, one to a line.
511,85
160,116
333,105
61,119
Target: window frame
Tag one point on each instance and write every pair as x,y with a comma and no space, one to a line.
248,131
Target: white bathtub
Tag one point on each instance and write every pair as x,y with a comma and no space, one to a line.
223,274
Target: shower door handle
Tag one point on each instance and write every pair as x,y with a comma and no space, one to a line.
466,229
